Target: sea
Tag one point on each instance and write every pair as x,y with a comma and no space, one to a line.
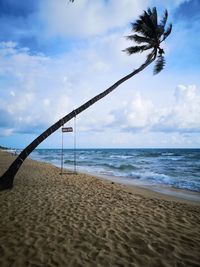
161,170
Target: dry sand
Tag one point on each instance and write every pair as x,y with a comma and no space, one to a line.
79,220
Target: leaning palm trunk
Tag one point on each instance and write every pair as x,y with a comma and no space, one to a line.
6,181
152,34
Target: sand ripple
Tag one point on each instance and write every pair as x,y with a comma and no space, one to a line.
78,220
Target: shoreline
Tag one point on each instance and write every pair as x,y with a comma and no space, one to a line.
160,191
81,220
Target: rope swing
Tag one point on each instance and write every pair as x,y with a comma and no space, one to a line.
68,130
75,144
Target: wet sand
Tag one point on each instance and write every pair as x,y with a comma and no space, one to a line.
80,220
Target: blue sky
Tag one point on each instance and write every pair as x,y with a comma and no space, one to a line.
55,55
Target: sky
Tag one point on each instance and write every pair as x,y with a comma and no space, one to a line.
55,55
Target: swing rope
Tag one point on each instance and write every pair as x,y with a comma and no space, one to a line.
75,144
62,152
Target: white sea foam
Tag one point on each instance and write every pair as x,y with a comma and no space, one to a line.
172,167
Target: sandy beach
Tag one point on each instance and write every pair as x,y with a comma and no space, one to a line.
80,220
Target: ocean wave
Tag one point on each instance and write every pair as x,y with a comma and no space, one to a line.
177,158
50,158
81,163
151,154
174,167
167,154
122,167
159,178
151,176
121,156
195,156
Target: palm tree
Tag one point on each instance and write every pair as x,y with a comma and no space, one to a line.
149,34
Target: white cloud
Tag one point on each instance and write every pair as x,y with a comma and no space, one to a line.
33,92
85,18
6,132
36,90
183,115
138,112
41,90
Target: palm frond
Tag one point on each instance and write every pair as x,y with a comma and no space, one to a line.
151,19
137,26
149,35
167,32
135,49
164,19
148,20
159,65
138,39
149,11
154,17
146,24
140,27
159,31
161,26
